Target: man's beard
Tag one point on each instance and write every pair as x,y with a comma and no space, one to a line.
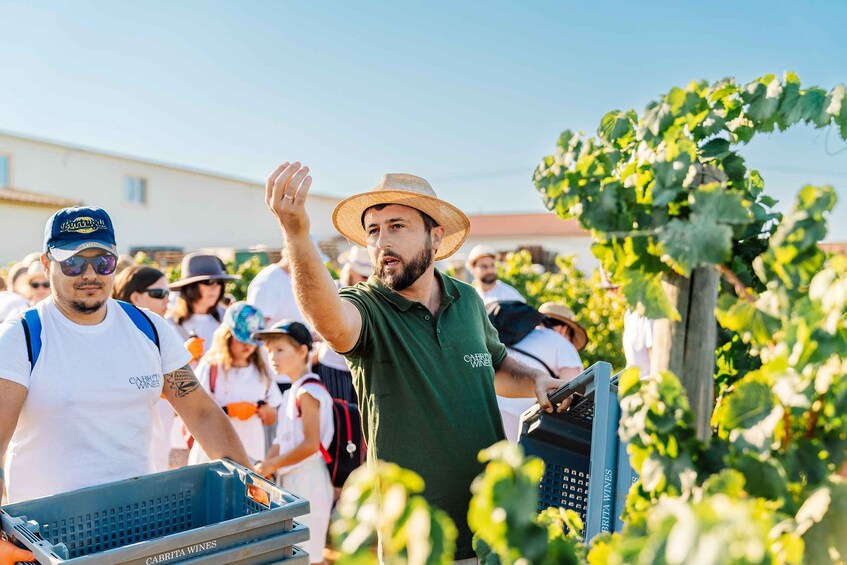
490,278
405,274
84,308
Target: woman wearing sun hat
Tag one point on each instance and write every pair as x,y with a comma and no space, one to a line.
424,357
236,376
201,288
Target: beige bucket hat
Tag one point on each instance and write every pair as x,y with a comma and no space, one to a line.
405,190
565,315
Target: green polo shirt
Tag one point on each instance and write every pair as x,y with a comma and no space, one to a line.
426,388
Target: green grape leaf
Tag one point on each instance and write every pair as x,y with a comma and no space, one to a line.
699,241
823,519
717,148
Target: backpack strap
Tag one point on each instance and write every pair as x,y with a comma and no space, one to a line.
31,322
528,354
142,321
327,457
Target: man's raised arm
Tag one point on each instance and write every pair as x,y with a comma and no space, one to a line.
336,320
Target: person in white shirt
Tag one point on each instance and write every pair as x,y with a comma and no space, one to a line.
13,298
81,412
482,263
304,431
637,341
553,347
33,285
235,374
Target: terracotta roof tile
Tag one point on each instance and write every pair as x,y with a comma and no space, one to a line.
544,223
834,247
35,198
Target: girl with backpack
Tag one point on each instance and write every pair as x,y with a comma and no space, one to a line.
235,375
304,432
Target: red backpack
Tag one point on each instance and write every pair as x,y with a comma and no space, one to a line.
347,450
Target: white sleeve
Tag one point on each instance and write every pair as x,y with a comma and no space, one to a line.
174,353
648,333
511,293
567,355
14,360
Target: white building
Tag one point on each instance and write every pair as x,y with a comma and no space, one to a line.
153,205
542,233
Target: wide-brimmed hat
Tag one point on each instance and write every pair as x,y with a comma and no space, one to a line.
405,190
358,259
478,252
298,331
565,315
243,320
198,267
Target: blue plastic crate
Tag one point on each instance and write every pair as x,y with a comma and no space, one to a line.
200,513
577,447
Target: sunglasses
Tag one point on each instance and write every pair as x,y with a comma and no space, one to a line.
211,282
156,292
75,266
39,285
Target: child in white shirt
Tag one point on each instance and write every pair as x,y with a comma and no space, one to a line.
304,430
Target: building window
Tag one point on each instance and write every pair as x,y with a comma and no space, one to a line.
135,190
4,171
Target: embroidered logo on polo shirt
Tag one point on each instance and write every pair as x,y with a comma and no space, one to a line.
478,360
146,381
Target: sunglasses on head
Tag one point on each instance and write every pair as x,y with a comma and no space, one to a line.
156,292
39,284
75,266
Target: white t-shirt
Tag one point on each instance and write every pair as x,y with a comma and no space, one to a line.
204,325
289,428
637,339
500,292
11,302
272,294
88,415
556,352
239,384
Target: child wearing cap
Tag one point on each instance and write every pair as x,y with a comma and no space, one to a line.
235,375
304,429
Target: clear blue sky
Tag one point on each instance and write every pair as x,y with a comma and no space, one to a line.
467,94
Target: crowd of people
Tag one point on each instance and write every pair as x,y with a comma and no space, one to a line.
105,361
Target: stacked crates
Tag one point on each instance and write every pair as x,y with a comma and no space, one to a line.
586,466
214,513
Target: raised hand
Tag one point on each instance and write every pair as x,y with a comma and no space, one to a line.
285,194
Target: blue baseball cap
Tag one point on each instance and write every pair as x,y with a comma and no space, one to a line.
243,320
71,230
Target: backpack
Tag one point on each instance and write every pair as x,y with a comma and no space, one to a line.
513,320
347,449
31,322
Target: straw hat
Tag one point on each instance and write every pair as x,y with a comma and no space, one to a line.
565,315
358,259
405,190
198,267
478,252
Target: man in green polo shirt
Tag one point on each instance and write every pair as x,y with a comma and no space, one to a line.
425,360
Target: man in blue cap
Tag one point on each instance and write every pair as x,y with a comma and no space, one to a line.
80,374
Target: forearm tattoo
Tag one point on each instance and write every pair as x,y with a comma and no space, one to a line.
182,381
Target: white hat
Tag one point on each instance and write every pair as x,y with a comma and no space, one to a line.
358,259
478,252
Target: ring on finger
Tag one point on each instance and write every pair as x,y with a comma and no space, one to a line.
288,196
